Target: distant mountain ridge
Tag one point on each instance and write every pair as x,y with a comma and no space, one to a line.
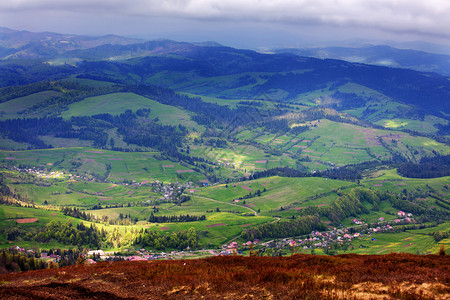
380,55
16,44
32,45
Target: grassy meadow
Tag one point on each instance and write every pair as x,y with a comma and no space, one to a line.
280,192
117,103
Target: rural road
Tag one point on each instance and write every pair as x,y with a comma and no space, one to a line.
256,214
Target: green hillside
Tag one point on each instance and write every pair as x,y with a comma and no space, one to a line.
13,108
118,103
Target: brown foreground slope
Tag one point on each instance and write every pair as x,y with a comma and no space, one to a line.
399,276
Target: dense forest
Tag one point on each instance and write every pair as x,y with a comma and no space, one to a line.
135,129
428,167
12,260
65,233
280,171
179,218
177,240
300,226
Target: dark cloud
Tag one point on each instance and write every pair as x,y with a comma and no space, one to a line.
408,17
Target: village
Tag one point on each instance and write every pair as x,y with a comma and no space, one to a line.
169,192
329,242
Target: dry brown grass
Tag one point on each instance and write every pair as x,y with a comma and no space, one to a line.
393,276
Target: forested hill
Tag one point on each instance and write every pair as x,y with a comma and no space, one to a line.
232,73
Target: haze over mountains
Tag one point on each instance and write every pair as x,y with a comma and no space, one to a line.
382,56
30,45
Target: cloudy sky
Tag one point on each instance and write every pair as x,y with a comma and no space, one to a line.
239,23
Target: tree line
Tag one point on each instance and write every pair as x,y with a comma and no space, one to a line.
300,226
77,213
57,231
172,219
428,167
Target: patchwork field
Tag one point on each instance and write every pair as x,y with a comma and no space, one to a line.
390,180
418,241
116,166
330,144
279,192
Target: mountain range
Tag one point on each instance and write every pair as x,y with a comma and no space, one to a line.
16,44
382,56
211,69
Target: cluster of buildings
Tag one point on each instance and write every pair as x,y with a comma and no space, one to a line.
171,191
37,171
318,239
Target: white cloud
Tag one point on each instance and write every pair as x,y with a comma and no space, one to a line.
430,17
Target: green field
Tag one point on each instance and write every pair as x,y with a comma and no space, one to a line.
409,241
390,180
337,144
10,214
279,192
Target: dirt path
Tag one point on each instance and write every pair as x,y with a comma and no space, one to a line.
256,214
233,239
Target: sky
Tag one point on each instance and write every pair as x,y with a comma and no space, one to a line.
241,23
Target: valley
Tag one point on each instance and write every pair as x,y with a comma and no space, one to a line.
195,151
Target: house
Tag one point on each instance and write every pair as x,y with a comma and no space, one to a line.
96,253
136,258
90,261
233,245
232,251
401,213
54,257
